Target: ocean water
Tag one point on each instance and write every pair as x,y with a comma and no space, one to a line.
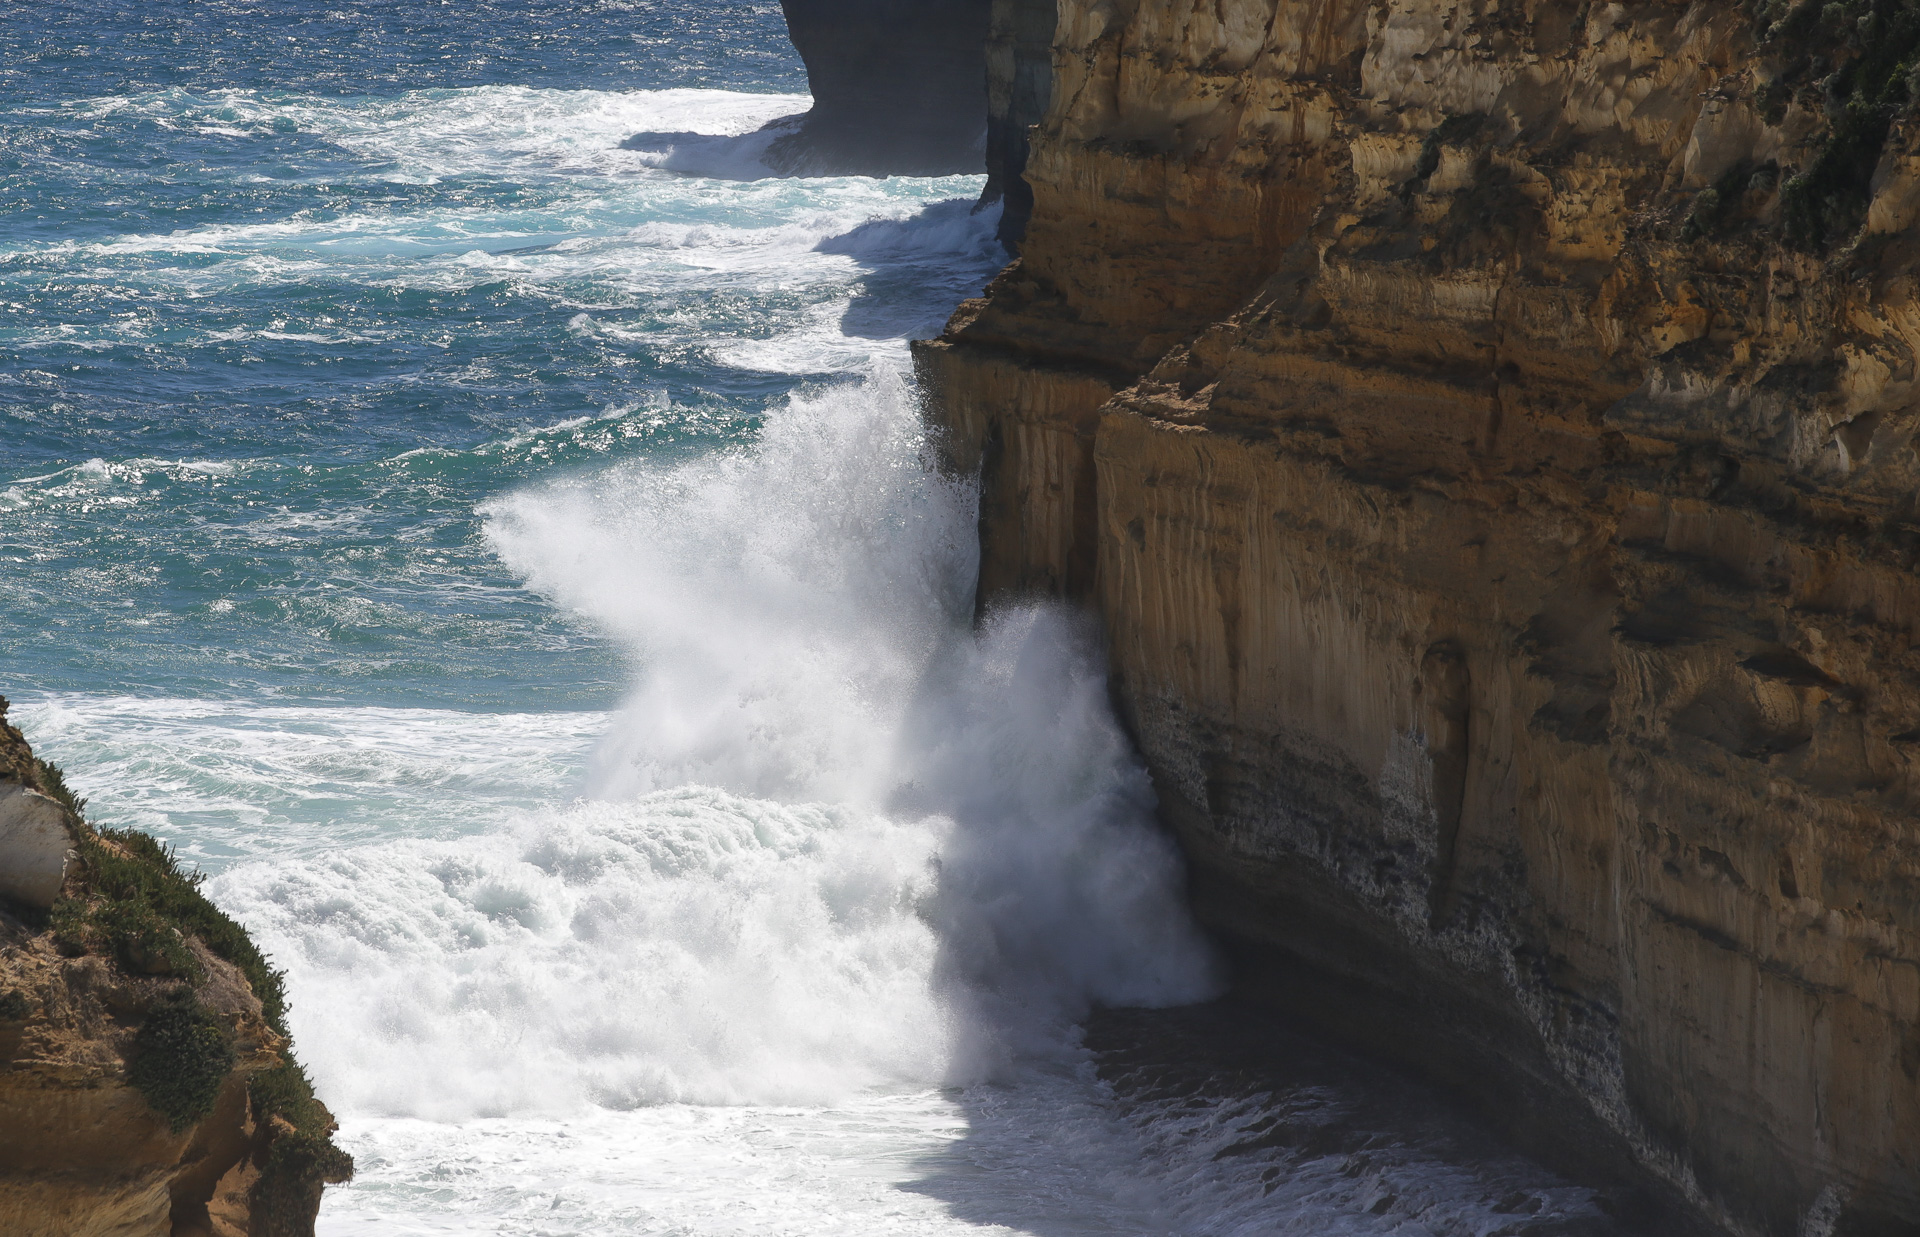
451,493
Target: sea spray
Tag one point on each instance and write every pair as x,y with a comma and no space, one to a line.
801,609
783,598
835,840
287,314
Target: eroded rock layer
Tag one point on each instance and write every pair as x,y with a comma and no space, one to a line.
899,88
1488,432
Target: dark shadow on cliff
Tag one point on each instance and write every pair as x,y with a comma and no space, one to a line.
899,88
917,268
716,156
1219,1118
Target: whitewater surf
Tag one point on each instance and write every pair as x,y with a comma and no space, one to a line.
506,554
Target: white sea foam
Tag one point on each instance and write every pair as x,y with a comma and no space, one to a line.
231,780
710,965
836,840
690,945
425,135
802,609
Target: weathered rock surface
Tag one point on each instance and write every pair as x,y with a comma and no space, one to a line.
1489,434
84,1149
899,88
34,847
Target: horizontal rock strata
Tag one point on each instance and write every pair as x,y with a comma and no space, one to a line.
1488,433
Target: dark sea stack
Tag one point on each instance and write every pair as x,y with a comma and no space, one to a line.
147,1084
899,88
1019,87
1491,445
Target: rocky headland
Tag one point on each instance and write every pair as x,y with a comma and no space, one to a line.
145,1068
899,88
1488,434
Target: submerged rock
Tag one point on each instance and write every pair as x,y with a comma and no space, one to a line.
146,1080
899,88
1490,439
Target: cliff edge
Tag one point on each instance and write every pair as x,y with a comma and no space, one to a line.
146,1084
899,88
1488,431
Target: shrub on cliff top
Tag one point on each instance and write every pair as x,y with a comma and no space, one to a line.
300,1164
1869,52
130,898
299,1167
139,905
181,1056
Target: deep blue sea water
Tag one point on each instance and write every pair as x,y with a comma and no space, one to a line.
506,559
274,316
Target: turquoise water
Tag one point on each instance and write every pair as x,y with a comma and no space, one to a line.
285,290
503,555
288,292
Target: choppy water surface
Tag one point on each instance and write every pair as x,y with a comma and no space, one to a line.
505,558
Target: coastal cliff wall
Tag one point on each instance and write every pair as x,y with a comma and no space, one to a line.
1019,88
146,1084
1488,432
899,88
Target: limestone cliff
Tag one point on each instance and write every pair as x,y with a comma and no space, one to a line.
899,88
1488,431
146,1089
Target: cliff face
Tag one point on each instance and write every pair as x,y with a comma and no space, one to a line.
1488,432
899,88
145,1083
1019,87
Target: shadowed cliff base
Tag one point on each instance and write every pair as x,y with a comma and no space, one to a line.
1225,1118
716,156
899,88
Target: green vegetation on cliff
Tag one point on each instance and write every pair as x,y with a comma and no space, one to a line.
128,899
1854,60
181,1057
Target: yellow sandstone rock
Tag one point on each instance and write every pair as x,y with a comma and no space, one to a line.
1488,431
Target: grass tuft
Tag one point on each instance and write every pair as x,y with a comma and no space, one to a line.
139,905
